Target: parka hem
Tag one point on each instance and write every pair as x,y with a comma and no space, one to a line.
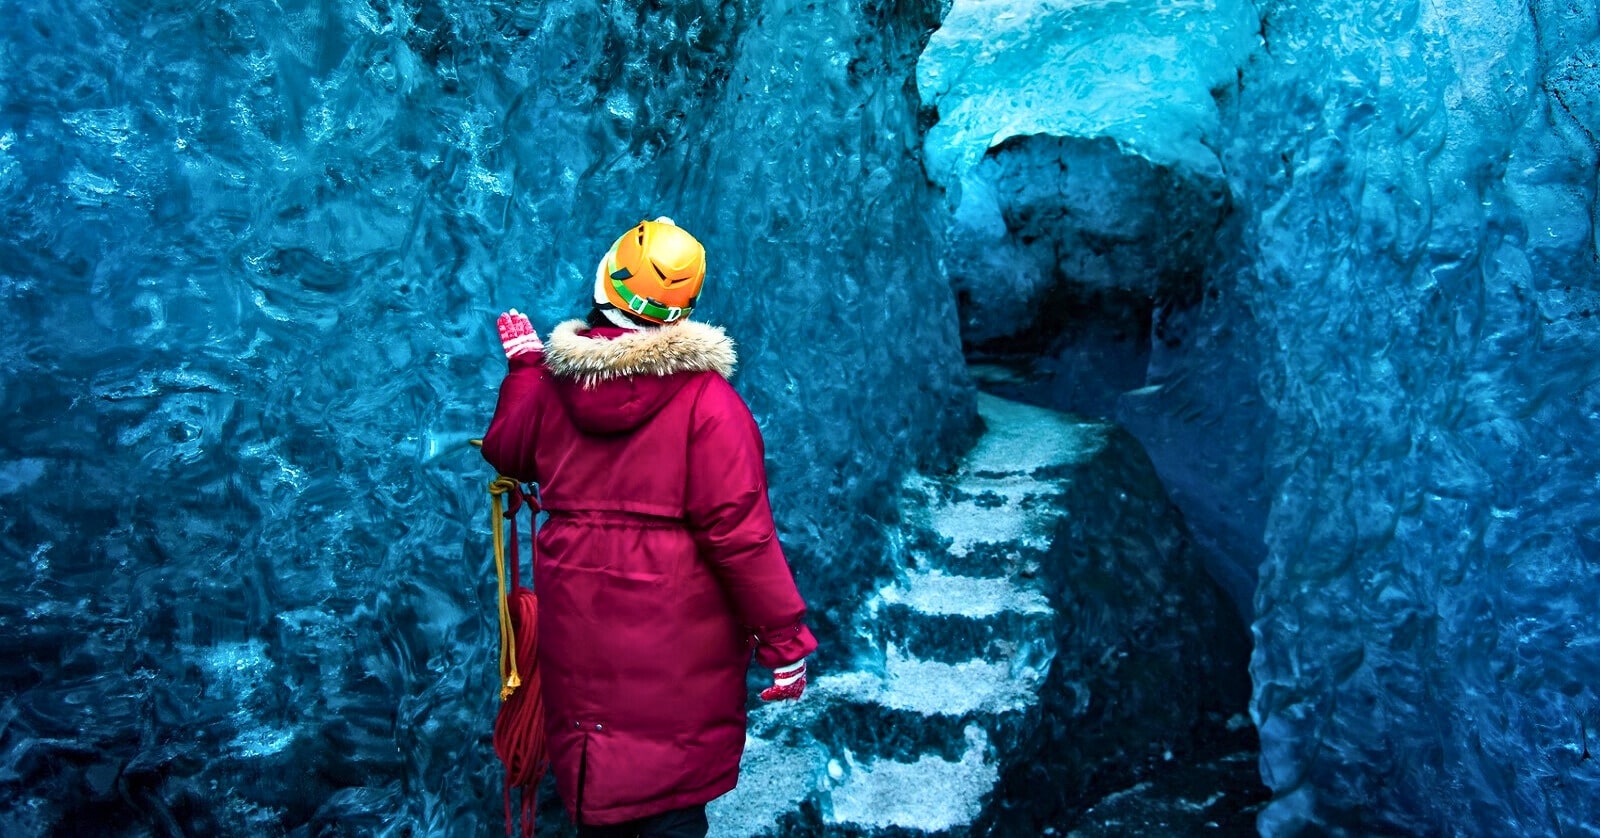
634,811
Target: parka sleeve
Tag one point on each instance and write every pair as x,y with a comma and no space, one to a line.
732,523
512,436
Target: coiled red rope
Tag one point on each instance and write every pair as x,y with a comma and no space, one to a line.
519,725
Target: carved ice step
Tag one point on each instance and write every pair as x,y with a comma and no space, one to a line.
929,795
910,706
935,616
1002,495
935,688
975,597
1013,512
774,779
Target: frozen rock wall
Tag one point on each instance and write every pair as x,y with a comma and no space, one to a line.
1078,145
1382,389
251,258
1418,183
1048,643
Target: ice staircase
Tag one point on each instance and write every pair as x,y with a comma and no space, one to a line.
911,742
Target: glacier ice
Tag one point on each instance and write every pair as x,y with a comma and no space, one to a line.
1376,386
1011,676
1398,318
1078,144
1419,207
251,260
1138,73
1076,141
1333,264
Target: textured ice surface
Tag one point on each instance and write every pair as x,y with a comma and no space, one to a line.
929,794
1419,278
1388,383
773,779
1078,143
251,252
1001,500
1084,654
936,593
934,688
251,259
1140,73
1092,125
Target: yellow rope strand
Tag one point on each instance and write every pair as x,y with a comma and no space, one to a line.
509,677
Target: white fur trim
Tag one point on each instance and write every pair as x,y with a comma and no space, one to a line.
685,346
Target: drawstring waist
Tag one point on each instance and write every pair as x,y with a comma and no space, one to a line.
617,517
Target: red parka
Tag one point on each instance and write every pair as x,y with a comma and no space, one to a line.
658,570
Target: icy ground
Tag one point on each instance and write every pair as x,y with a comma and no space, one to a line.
917,737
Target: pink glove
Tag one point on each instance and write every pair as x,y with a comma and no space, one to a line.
788,683
516,334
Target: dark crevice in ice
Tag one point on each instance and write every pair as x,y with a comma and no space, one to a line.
1079,352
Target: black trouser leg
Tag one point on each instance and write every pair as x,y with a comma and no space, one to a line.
678,823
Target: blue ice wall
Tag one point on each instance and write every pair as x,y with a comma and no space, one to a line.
1078,144
251,257
1386,395
1417,187
249,254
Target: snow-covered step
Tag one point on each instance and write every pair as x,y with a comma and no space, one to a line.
912,707
973,517
922,690
936,593
935,688
1000,505
937,616
775,778
929,794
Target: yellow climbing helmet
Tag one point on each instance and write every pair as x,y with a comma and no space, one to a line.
655,270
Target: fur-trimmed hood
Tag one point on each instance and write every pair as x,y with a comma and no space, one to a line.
612,381
685,347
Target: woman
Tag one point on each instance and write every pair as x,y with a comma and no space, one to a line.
659,570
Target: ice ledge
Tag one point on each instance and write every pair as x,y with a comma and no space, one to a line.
1020,437
930,794
773,780
1140,73
968,596
933,688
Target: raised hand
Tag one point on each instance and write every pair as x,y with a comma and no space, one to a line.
516,334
